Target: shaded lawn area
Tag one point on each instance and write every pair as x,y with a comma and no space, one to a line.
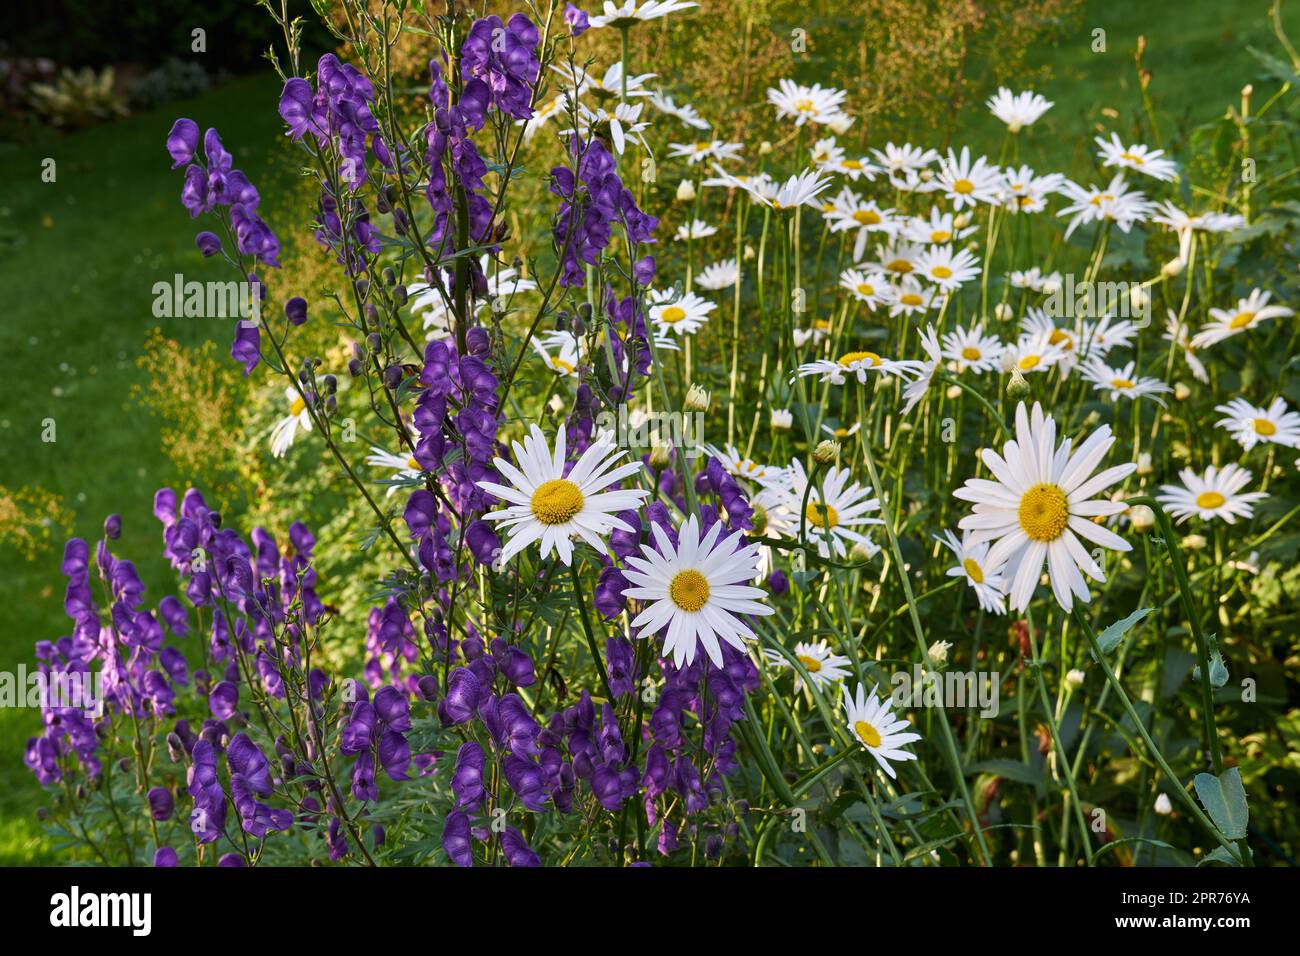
78,263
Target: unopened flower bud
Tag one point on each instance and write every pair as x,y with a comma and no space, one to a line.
1141,517
686,191
1075,678
660,456
826,451
1194,542
782,419
1164,806
1144,466
1003,312
1018,388
938,652
764,148
1181,391
697,399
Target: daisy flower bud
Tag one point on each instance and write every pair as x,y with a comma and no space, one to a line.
826,451
1003,312
938,652
1018,388
764,148
782,419
1182,392
1163,805
1194,542
1141,517
660,456
685,191
1075,678
697,399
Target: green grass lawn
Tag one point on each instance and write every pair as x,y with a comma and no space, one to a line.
79,257
76,281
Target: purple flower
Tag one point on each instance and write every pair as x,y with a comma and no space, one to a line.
295,310
462,697
517,851
505,59
467,781
161,803
247,347
577,20
208,242
223,700
456,838
182,141
164,856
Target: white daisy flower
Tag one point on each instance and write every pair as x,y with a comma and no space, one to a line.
1038,502
1251,424
547,505
1123,381
972,350
909,297
622,120
283,431
1250,312
915,390
403,466
560,352
906,158
1147,161
1017,110
1181,222
695,229
858,364
630,13
835,512
1114,203
938,230
1216,494
815,334
719,275
868,287
825,151
1035,280
1032,353
1024,191
685,113
803,104
899,258
609,86
705,149
823,665
946,269
874,725
987,581
781,419
968,183
678,313
1108,333
739,465
848,211
696,591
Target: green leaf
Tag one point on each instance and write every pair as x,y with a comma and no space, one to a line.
1219,854
1008,770
1224,799
1110,638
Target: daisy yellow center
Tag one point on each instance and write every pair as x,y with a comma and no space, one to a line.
973,570
297,407
1264,427
867,217
1024,201
562,366
851,164
673,314
1100,198
970,353
822,516
849,358
941,272
412,464
1210,499
1241,320
1121,383
901,266
811,664
1132,158
868,734
689,590
1057,337
556,501
911,298
963,186
805,106
1044,512
1028,362
866,289
940,235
